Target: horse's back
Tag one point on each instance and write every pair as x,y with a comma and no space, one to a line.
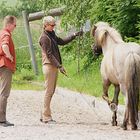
113,63
121,52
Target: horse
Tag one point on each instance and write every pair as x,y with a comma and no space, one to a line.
120,67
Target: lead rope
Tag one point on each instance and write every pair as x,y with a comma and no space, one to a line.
93,103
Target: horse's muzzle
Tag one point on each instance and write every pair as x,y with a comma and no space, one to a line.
96,50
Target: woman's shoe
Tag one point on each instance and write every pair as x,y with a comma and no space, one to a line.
49,121
6,124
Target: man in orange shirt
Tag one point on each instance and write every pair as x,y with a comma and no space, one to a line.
7,65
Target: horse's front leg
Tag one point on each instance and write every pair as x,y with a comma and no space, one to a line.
106,84
114,105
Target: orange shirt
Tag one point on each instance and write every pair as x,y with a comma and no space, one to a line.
6,38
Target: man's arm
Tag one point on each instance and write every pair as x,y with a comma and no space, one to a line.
66,40
5,49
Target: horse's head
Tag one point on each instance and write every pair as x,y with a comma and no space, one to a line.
96,50
99,33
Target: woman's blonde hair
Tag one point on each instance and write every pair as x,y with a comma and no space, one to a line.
47,20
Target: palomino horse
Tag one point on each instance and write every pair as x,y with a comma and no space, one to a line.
121,67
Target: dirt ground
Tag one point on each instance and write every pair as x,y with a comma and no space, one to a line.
78,116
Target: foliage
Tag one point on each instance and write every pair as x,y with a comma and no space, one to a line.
124,15
128,17
24,75
7,10
29,5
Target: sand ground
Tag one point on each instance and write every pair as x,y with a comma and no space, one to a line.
78,116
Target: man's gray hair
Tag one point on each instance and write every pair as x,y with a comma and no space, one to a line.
48,19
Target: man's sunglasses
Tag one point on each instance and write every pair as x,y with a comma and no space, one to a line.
52,25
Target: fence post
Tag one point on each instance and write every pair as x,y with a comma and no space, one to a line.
31,48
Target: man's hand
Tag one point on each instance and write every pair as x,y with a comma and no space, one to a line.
62,70
11,58
5,49
79,33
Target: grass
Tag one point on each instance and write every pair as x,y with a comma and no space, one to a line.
27,80
26,85
86,81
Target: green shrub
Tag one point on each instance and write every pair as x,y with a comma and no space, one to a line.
24,75
5,10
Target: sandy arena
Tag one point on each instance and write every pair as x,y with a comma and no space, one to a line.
78,116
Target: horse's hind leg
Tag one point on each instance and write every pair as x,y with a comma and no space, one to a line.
125,121
115,101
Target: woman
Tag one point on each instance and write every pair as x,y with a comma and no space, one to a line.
51,60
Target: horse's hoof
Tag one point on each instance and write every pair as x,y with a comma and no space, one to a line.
114,123
134,127
124,127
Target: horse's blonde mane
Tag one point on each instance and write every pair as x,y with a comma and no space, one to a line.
101,24
114,34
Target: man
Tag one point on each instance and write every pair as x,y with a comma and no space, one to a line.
51,60
7,65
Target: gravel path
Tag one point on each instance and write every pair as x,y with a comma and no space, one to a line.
78,118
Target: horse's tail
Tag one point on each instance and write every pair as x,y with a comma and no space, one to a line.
132,80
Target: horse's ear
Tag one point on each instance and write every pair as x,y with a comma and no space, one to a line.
93,30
